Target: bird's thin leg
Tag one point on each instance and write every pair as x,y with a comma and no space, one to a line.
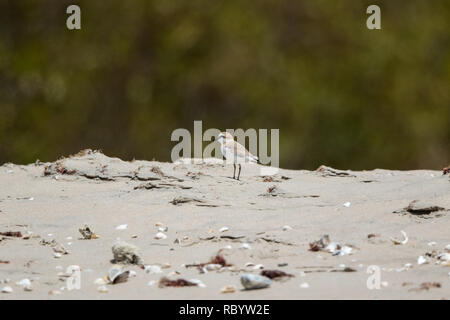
234,172
239,173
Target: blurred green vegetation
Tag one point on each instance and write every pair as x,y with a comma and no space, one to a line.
341,94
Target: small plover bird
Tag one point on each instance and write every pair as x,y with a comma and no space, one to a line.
235,152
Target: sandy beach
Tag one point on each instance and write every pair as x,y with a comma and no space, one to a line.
257,223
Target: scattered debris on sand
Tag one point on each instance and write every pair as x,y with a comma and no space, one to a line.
422,260
254,281
446,170
117,275
161,185
160,236
330,172
427,286
180,200
320,269
440,258
398,242
320,244
276,274
335,248
157,170
58,248
275,191
228,289
418,207
195,175
272,191
152,269
127,254
7,289
87,233
269,239
25,284
224,229
423,209
166,282
274,178
215,263
15,234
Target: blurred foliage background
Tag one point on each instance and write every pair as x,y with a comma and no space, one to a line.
341,94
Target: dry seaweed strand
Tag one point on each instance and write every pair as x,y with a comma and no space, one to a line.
16,234
274,274
166,282
218,259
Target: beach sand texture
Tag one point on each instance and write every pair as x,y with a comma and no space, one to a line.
271,221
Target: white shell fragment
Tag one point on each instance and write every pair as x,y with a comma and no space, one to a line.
198,282
444,257
7,290
246,246
100,281
421,260
152,269
404,241
406,267
122,227
102,289
228,289
132,274
332,247
213,267
224,229
254,281
304,285
337,250
347,204
25,284
286,228
258,267
160,236
117,275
